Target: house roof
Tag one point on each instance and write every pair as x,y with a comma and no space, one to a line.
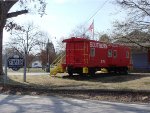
136,40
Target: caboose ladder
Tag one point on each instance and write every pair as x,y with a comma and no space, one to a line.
57,64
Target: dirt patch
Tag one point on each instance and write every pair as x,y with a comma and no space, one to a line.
131,96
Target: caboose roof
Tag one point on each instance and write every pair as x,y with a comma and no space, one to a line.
81,39
75,39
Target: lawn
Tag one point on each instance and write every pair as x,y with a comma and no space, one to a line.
38,70
100,81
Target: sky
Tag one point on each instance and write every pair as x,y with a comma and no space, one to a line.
63,16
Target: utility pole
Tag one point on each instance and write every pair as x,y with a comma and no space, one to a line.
25,64
26,57
47,52
5,76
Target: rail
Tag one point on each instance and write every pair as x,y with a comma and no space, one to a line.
58,59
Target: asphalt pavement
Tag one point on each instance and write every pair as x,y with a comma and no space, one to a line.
49,104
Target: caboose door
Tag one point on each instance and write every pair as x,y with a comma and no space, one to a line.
110,56
115,57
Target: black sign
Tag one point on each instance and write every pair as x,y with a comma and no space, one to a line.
15,63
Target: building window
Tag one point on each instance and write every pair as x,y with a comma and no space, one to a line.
115,54
35,64
109,53
127,54
92,52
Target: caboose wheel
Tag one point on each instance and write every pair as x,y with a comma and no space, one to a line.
70,73
123,70
92,72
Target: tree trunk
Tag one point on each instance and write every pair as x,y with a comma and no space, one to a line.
2,24
4,8
1,43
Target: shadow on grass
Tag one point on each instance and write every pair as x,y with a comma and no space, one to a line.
18,85
107,78
103,78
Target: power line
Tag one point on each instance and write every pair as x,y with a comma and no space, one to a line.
97,11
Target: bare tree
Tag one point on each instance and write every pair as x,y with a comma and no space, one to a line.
44,40
104,38
30,60
138,20
47,51
60,48
48,54
28,40
5,6
43,58
80,31
138,13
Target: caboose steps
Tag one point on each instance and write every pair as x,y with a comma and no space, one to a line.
57,65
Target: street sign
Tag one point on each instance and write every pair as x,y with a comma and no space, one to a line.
15,62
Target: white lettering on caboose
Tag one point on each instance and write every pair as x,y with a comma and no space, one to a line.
98,45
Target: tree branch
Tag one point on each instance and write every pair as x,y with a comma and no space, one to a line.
14,14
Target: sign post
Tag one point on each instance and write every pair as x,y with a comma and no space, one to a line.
5,76
15,62
25,67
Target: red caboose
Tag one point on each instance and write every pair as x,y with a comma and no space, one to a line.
88,56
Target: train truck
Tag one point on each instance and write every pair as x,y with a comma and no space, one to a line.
84,56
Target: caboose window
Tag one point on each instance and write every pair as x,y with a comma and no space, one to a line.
127,54
109,53
115,54
92,52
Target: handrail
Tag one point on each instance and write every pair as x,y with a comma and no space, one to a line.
61,58
58,58
57,62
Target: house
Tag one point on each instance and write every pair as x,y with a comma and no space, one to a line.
141,60
36,64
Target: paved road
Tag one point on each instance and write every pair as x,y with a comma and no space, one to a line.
43,104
